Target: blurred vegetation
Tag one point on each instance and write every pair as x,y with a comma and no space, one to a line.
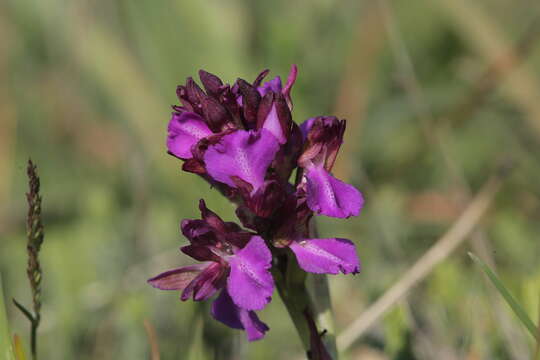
436,94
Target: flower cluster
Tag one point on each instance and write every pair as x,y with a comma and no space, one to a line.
243,141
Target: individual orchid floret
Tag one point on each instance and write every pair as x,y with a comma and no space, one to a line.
314,255
326,195
232,259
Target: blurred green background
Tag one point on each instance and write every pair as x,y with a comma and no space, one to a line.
436,93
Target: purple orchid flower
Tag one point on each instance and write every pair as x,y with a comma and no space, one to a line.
234,260
242,140
325,194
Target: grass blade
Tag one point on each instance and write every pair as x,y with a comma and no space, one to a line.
19,348
6,349
516,307
537,351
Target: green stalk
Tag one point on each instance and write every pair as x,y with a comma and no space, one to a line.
319,292
309,293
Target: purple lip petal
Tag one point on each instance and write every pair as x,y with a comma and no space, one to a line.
177,279
250,282
185,130
326,256
329,196
245,154
225,311
255,328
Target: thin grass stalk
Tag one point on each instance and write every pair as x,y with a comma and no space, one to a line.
537,351
35,236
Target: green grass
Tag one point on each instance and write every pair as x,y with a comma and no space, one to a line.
6,347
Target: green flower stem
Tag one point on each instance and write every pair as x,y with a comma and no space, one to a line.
319,292
303,292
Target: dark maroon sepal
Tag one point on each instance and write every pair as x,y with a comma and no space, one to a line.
283,113
267,199
243,187
258,80
250,100
265,107
211,218
198,232
200,253
194,94
181,93
215,114
194,166
228,99
212,84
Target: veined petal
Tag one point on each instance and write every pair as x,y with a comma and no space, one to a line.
250,283
177,279
205,284
212,279
225,311
326,256
331,197
245,154
185,130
